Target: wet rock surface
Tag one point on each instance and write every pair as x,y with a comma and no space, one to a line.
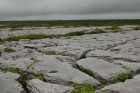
60,61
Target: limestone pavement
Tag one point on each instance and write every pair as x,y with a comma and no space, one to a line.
60,61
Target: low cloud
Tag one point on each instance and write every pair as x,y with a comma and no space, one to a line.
69,9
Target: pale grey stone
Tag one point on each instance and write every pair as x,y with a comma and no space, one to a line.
34,46
22,63
103,70
114,55
9,83
132,66
60,72
100,53
78,52
129,86
37,86
23,53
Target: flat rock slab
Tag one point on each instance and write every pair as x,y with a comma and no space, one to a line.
8,83
37,86
78,52
34,46
114,55
60,72
132,66
100,53
130,47
24,53
19,63
103,70
54,69
129,86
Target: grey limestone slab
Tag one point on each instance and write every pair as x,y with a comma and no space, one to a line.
102,70
37,86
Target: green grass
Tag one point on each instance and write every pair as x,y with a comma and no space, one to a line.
9,50
122,77
77,33
0,52
50,53
13,29
115,50
87,71
94,38
1,40
136,28
30,51
97,31
83,88
113,28
40,77
68,23
69,37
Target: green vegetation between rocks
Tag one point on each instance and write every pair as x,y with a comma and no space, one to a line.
69,37
136,28
50,53
113,28
122,77
97,31
9,50
68,23
30,51
23,73
40,77
13,29
1,40
87,71
0,52
83,88
16,70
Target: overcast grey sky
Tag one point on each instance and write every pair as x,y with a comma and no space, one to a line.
69,9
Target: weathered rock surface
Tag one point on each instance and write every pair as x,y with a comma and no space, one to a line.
132,66
8,83
60,72
129,86
102,70
78,52
114,55
19,63
37,86
121,49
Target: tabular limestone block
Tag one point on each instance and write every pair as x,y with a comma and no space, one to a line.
103,70
132,66
75,51
37,86
61,72
129,86
8,83
121,56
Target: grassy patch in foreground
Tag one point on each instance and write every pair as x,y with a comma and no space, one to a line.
83,88
122,77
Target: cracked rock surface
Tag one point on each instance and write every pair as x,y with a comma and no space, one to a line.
9,83
37,86
60,61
